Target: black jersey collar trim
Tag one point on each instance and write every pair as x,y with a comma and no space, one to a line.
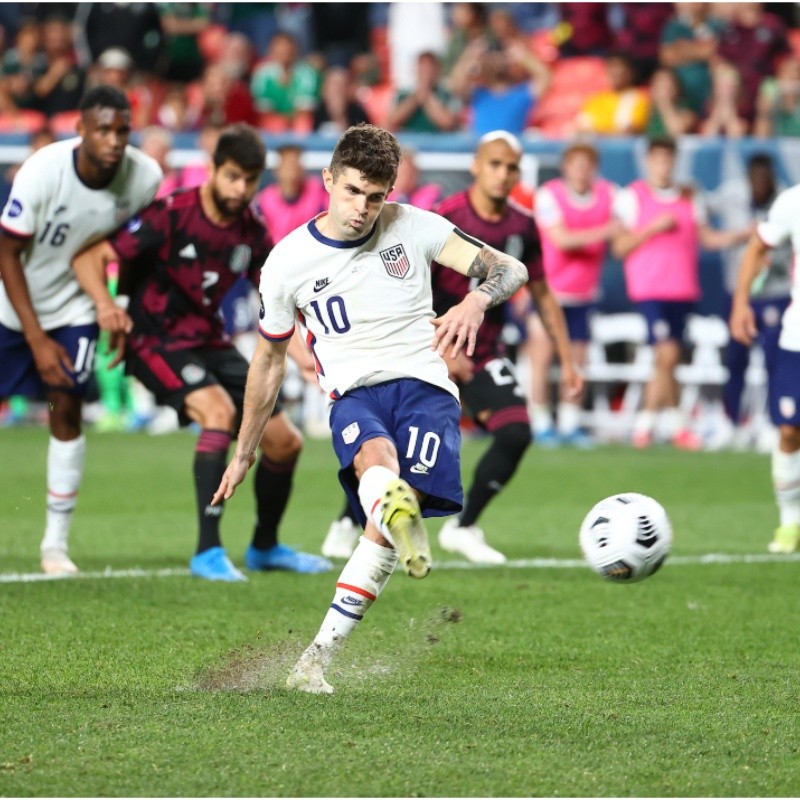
338,243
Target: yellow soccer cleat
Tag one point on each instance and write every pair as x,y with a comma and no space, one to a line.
401,514
787,539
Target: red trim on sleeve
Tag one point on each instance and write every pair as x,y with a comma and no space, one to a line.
276,337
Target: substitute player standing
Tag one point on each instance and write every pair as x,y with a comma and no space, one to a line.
358,279
781,225
64,196
486,380
181,255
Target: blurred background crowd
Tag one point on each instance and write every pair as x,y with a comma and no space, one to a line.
547,72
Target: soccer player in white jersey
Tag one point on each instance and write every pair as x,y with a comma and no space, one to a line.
63,197
358,280
781,225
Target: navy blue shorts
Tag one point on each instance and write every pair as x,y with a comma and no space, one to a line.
784,395
666,319
423,422
19,376
577,318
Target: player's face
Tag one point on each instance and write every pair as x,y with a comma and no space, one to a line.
579,171
105,133
233,188
496,170
355,202
660,164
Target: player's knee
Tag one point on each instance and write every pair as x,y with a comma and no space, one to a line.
789,438
514,438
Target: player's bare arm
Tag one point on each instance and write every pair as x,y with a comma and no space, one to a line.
90,270
52,360
552,318
264,379
742,320
502,275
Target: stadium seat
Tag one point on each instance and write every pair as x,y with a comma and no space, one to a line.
606,377
794,41
22,122
65,123
707,337
574,80
377,101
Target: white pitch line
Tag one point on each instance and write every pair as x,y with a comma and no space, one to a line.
522,563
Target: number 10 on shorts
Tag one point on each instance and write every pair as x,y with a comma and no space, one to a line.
428,446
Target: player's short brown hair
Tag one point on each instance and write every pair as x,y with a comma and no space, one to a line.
581,146
373,151
241,144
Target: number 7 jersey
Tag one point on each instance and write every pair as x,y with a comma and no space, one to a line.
51,207
364,306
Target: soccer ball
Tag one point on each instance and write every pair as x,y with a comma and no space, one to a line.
626,537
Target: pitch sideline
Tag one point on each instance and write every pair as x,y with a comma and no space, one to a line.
523,563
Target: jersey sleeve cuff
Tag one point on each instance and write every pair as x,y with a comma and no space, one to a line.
276,337
15,234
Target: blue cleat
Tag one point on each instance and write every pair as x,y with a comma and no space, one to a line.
214,565
578,438
548,439
285,558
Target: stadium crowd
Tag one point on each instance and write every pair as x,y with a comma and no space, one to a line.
552,70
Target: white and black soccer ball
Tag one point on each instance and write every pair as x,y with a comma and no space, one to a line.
626,537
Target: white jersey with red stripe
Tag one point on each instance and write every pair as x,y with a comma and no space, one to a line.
365,306
783,225
60,215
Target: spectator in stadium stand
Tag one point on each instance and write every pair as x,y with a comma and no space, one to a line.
337,34
408,189
182,23
156,142
294,197
61,87
236,56
737,203
428,107
225,100
499,85
575,221
663,227
689,42
723,117
256,21
284,86
623,109
640,35
175,113
778,107
135,27
115,68
468,24
584,30
22,65
338,107
670,113
753,42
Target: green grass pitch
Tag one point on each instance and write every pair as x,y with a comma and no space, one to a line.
525,681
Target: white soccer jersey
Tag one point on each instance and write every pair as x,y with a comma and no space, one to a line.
783,225
365,306
50,204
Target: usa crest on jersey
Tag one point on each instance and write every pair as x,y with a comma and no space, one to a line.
396,261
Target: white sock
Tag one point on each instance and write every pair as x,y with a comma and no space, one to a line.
540,418
569,418
644,422
674,420
359,585
786,480
64,474
371,489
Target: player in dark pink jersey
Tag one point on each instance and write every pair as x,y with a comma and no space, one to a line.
489,389
179,257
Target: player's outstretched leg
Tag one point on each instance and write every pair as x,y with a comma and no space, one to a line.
65,461
211,562
359,585
401,514
342,536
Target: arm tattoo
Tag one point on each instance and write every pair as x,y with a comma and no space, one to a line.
503,275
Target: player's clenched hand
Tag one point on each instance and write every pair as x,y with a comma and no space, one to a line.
743,323
234,475
459,326
572,381
114,319
52,362
116,345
